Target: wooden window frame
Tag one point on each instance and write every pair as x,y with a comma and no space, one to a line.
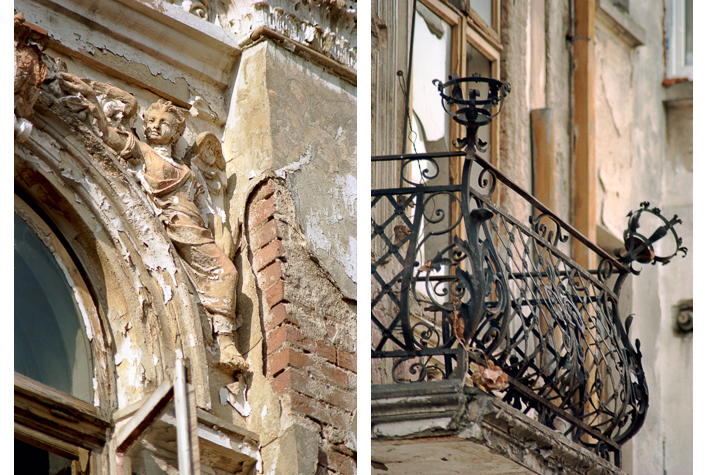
46,417
466,30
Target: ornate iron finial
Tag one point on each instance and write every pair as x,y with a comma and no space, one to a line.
474,111
639,248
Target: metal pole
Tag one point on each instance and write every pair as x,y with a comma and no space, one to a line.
181,415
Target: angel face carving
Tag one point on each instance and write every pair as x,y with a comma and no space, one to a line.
163,124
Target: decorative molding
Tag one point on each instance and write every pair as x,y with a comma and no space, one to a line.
327,26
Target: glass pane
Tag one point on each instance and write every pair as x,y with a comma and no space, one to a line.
688,32
31,460
476,63
50,341
484,8
430,123
431,60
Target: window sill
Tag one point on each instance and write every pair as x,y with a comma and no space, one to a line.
620,23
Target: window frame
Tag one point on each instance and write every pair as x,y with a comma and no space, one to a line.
46,417
466,30
676,67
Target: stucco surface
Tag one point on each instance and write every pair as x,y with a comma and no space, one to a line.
300,122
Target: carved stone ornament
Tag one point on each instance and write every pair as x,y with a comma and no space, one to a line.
30,72
186,194
327,26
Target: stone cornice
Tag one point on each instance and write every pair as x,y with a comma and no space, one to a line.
328,27
158,30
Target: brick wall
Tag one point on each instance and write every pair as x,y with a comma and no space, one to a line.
309,328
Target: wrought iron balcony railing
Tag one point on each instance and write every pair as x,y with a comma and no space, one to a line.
465,288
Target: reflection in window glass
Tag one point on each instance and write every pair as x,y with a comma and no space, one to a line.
484,9
50,341
431,59
476,63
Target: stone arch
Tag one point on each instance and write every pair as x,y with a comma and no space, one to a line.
147,309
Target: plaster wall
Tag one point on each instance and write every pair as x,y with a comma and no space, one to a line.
644,153
614,94
676,348
299,122
515,153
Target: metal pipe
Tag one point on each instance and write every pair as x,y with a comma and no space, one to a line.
185,461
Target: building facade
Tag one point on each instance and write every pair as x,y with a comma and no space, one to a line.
596,118
185,251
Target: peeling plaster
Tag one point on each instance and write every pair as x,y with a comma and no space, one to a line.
351,260
97,398
129,368
295,166
348,187
167,290
235,394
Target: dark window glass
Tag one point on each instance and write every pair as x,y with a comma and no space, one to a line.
51,345
31,460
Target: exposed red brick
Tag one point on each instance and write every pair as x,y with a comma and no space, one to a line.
342,399
335,375
286,357
264,190
277,315
291,379
318,410
269,275
327,351
261,211
347,360
288,333
337,462
302,404
264,234
275,293
268,254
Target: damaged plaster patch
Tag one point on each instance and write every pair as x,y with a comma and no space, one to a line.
295,166
314,233
167,290
129,368
350,263
335,249
348,188
235,394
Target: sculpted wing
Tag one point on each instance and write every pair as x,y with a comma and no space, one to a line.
206,160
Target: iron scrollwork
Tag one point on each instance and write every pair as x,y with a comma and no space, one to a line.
460,275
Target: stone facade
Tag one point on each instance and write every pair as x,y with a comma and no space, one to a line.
270,189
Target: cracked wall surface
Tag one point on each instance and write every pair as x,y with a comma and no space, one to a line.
300,122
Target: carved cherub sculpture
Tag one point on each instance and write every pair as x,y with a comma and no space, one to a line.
189,198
